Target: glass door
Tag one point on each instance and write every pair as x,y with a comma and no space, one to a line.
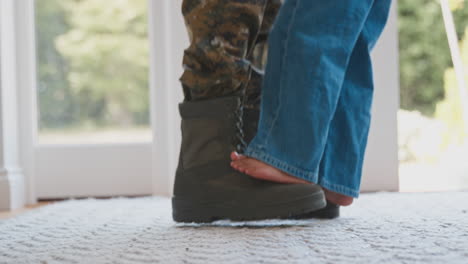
93,135
433,121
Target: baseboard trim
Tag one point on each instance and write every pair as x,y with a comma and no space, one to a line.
11,189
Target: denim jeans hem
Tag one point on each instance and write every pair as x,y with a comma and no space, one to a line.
255,153
338,188
281,165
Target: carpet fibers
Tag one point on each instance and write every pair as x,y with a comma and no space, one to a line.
378,228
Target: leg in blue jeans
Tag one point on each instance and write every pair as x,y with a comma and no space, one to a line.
317,91
341,165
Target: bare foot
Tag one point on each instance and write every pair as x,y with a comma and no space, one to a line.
337,198
263,171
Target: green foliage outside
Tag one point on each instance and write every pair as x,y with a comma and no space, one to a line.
424,51
57,103
93,62
428,80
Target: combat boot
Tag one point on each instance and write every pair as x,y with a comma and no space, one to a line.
207,188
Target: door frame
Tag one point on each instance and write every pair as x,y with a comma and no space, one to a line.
25,56
11,175
25,61
168,39
381,164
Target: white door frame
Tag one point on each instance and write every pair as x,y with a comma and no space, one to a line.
380,172
25,43
168,40
11,175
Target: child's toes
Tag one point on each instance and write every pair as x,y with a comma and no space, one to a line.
234,156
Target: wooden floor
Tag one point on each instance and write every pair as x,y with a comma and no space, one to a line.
10,214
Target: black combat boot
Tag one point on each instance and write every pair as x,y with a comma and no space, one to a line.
251,117
330,211
207,188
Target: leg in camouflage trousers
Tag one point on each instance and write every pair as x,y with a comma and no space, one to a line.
227,52
222,82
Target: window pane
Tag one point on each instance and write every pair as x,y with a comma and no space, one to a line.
93,65
432,133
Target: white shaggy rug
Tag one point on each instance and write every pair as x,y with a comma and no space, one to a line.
379,228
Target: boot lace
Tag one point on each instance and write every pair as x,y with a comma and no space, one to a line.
239,142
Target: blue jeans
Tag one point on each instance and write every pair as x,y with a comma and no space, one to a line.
318,91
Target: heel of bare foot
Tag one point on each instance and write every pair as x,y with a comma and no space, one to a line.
337,198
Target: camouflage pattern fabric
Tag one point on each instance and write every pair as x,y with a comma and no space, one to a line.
228,46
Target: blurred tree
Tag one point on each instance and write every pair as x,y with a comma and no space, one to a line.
56,103
93,63
107,50
424,51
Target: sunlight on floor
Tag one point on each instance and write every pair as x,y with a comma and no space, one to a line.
431,159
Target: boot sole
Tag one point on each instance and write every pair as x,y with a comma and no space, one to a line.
331,211
191,211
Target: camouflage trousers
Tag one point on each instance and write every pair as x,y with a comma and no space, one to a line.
228,47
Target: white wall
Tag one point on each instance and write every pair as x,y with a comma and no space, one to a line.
168,41
381,162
